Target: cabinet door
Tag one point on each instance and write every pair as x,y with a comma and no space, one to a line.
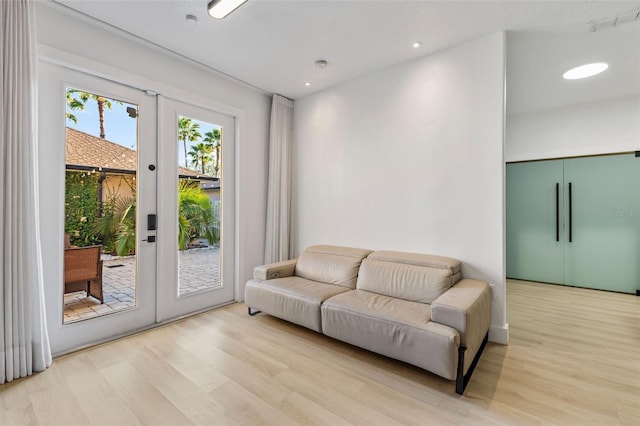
604,249
534,221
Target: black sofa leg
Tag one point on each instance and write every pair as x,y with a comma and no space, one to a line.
252,312
459,376
463,379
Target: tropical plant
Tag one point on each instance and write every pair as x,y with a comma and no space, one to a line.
117,226
187,131
196,219
73,104
196,216
77,100
126,237
201,155
213,139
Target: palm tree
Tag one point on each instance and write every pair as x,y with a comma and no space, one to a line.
73,104
117,226
101,104
201,154
78,103
213,139
187,131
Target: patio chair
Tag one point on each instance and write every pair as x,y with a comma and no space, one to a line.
83,271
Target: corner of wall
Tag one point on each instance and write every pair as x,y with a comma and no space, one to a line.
499,334
499,328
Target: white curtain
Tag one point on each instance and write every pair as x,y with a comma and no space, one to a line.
280,175
24,343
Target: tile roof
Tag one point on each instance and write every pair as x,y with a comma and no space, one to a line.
83,149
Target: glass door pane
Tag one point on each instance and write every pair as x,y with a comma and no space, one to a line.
101,139
534,221
604,249
199,147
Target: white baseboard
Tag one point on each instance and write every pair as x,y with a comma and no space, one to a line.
498,334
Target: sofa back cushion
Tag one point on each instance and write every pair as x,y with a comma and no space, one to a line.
331,264
409,276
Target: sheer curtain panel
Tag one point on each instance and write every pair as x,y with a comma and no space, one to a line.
24,343
279,189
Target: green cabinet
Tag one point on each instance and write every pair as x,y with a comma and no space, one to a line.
575,222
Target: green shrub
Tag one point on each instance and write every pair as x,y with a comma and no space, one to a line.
81,206
196,216
117,226
196,219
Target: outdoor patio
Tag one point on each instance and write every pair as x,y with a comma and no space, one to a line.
199,269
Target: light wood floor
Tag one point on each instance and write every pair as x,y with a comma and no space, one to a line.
574,359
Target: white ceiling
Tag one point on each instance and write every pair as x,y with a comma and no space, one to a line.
537,60
272,45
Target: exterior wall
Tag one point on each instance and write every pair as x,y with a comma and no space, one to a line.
122,185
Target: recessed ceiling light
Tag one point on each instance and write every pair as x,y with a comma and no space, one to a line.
584,71
192,19
416,44
307,84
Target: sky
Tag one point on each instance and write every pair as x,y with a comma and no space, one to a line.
119,127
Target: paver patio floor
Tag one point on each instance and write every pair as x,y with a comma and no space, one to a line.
198,270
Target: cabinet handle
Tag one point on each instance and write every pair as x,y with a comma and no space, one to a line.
570,214
557,212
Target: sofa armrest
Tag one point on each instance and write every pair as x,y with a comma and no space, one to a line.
466,307
282,269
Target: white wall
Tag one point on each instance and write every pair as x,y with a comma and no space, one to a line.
149,68
411,158
607,126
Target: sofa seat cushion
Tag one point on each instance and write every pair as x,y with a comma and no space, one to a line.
383,307
396,328
294,299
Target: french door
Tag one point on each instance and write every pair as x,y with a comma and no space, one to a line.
123,176
202,276
535,221
603,211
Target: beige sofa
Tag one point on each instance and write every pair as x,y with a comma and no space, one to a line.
416,308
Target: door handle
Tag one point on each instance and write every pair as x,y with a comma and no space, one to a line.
570,214
557,212
150,239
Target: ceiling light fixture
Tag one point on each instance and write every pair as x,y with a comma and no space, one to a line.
192,19
220,8
416,44
307,84
584,71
